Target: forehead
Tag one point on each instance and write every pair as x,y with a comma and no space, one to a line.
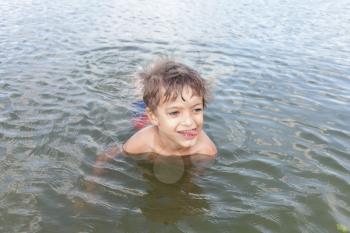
187,95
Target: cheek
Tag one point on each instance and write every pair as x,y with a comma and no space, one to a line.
171,123
199,119
166,122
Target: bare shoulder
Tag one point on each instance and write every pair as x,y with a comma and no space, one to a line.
207,146
140,141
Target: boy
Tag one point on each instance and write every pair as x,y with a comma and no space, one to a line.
175,97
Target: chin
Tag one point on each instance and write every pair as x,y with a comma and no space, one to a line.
188,143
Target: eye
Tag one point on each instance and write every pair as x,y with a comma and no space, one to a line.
198,109
174,113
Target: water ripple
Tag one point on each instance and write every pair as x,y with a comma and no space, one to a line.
279,115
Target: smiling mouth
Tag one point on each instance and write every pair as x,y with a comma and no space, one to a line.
189,134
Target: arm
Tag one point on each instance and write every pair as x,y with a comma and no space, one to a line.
102,158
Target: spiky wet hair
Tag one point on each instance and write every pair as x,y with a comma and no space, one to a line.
168,78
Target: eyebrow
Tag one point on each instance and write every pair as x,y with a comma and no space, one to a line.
179,107
199,103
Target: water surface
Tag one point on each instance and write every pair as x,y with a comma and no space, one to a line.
279,115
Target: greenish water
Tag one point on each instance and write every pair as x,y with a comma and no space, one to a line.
279,116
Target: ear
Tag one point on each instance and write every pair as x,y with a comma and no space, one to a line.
152,116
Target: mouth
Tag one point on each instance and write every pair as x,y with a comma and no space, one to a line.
188,134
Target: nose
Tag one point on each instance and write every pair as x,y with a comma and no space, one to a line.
187,119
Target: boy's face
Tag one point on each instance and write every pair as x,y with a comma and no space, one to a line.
179,121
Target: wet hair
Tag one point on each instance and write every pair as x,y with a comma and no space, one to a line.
167,78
